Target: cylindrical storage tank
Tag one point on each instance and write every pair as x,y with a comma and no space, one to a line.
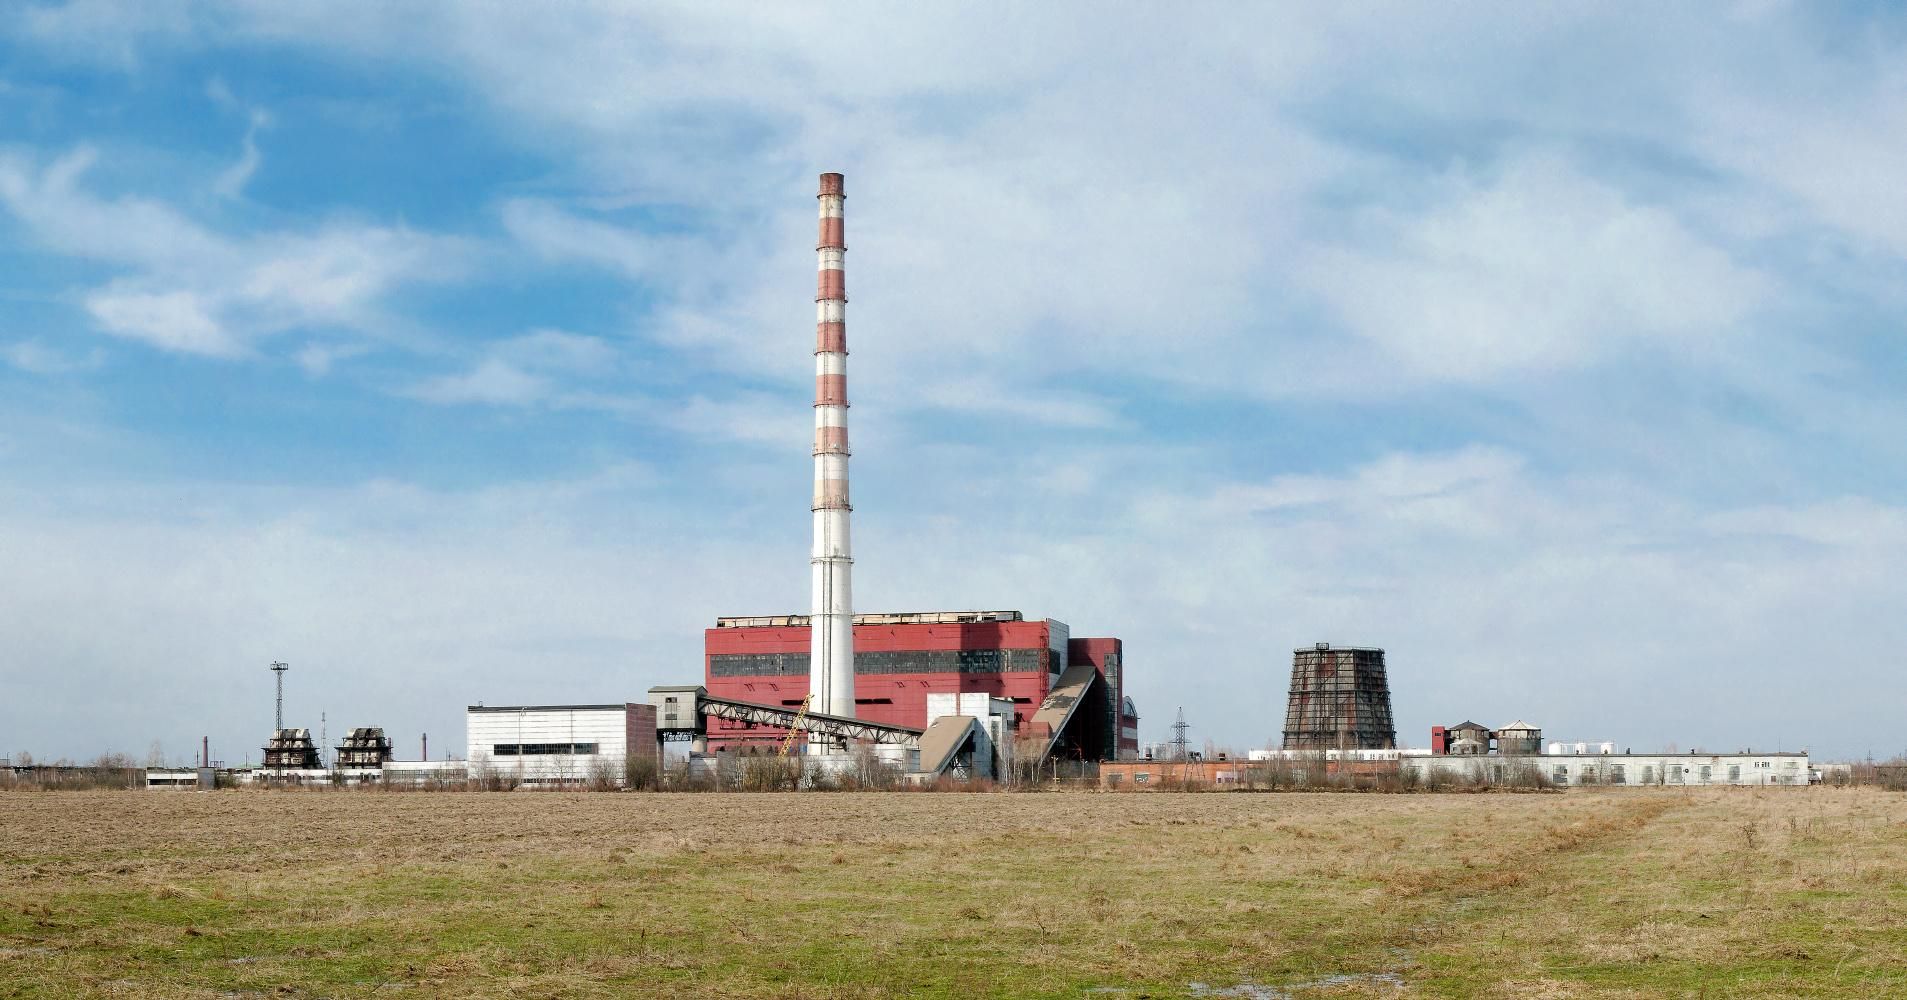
1555,749
1581,749
1608,748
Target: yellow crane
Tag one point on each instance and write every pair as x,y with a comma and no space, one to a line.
788,741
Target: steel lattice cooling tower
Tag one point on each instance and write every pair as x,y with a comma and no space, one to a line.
1340,700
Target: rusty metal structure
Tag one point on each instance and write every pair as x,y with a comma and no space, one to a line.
1340,699
365,747
292,749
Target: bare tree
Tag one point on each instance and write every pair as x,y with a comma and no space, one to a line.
603,774
641,772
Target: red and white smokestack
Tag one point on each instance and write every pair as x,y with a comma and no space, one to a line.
831,650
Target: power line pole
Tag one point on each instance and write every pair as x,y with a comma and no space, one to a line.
1179,742
278,668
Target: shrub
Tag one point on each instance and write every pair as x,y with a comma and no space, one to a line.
641,773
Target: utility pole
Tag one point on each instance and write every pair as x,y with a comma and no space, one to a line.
278,668
1179,742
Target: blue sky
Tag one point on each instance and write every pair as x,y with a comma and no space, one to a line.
460,352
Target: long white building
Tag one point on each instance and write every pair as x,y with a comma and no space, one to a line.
1619,769
557,744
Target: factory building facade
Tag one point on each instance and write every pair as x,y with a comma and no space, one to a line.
558,744
901,659
1624,769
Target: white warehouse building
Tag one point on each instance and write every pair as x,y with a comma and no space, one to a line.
558,744
1609,768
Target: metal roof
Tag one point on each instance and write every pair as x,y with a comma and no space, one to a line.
619,706
944,739
877,618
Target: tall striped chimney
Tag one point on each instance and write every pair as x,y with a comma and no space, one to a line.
831,649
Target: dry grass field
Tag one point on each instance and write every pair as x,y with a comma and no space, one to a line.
1635,893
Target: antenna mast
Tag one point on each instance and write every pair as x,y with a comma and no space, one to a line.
278,668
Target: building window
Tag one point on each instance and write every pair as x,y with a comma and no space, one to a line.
1734,772
1562,775
961,661
543,749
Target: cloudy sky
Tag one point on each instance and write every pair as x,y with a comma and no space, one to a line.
457,353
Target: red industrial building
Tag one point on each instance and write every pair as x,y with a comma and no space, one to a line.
899,659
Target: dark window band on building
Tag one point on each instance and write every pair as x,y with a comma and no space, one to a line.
758,664
949,661
542,749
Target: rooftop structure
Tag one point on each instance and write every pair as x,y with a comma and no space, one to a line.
364,747
292,749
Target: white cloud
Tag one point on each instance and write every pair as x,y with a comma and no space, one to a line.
318,359
231,182
175,321
32,355
562,236
1392,480
561,351
996,400
195,291
99,32
493,382
1845,522
1821,131
540,367
1540,269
